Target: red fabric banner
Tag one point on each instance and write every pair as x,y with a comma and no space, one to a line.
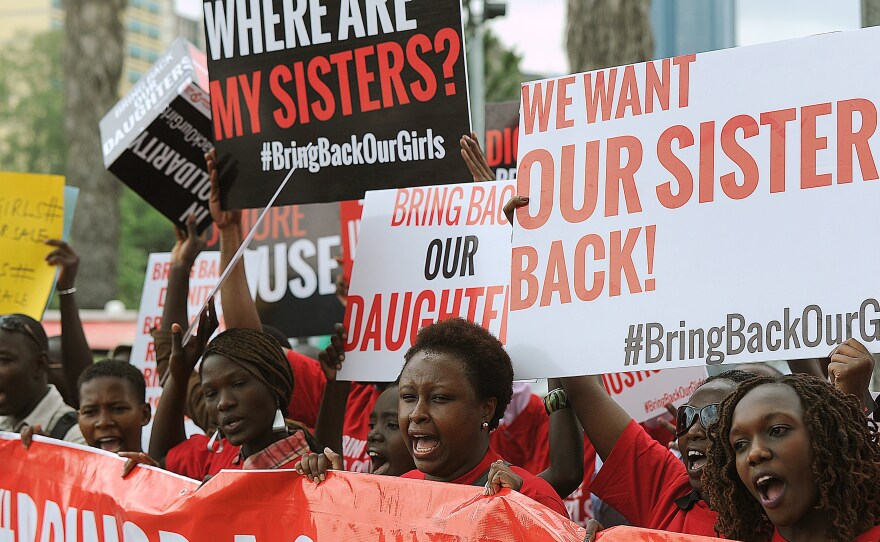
63,492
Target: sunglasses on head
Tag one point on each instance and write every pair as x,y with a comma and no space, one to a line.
11,322
687,415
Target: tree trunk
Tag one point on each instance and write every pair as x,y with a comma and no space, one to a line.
93,55
870,13
603,33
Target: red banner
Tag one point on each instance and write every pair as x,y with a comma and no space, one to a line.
59,491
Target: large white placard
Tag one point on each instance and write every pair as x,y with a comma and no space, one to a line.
425,254
645,394
718,207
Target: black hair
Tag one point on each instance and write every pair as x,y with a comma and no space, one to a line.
37,329
117,369
487,365
734,375
846,463
277,334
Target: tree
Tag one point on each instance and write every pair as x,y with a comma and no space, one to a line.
870,13
603,33
93,55
503,75
31,117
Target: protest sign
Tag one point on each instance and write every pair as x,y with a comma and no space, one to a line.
502,135
71,195
204,276
357,95
425,255
56,490
155,138
31,212
296,248
350,222
696,210
645,394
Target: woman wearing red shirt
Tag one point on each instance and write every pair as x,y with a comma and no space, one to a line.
247,383
794,460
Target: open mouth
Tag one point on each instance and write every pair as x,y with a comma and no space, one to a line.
231,424
696,460
423,446
110,444
379,463
771,491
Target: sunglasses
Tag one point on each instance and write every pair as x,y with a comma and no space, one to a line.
687,415
11,322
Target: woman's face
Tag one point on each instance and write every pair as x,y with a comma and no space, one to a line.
388,453
110,415
694,443
774,455
441,416
242,405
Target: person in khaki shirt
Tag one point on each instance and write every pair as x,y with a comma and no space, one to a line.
26,397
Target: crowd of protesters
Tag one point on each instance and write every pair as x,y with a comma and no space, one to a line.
752,455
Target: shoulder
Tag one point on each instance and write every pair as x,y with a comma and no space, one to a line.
871,535
540,490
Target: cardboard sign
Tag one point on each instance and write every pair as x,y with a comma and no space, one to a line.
695,210
425,255
502,136
31,212
203,278
155,138
350,223
296,248
645,394
56,490
357,95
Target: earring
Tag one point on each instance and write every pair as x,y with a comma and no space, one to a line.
279,424
485,426
216,438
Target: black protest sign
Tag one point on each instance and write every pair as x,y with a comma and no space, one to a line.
357,94
155,138
297,246
502,135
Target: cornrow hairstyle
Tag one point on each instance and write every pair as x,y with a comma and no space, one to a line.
734,375
487,365
838,429
260,354
117,369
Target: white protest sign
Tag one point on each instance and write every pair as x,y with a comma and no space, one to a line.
718,207
425,254
645,394
203,278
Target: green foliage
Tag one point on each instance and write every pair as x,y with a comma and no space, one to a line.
503,76
32,104
144,230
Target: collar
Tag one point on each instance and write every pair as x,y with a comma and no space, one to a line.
688,501
50,407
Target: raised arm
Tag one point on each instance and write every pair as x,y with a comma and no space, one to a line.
331,415
603,419
168,429
76,356
475,159
239,309
850,371
566,470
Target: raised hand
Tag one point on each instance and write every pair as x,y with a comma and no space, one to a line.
331,358
65,257
184,358
223,219
189,243
475,159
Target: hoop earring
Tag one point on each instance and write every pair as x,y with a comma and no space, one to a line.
218,441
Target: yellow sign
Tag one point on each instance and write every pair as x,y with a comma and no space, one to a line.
31,212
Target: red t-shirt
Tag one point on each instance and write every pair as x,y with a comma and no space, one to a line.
871,535
526,441
533,487
356,426
308,388
642,480
191,458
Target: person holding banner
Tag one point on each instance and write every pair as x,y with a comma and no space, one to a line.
26,397
641,478
793,460
247,383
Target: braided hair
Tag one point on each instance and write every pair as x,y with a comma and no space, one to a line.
838,429
260,354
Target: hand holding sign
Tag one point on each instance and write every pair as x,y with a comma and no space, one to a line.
65,257
223,219
850,370
189,244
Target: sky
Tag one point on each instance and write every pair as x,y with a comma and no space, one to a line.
536,28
